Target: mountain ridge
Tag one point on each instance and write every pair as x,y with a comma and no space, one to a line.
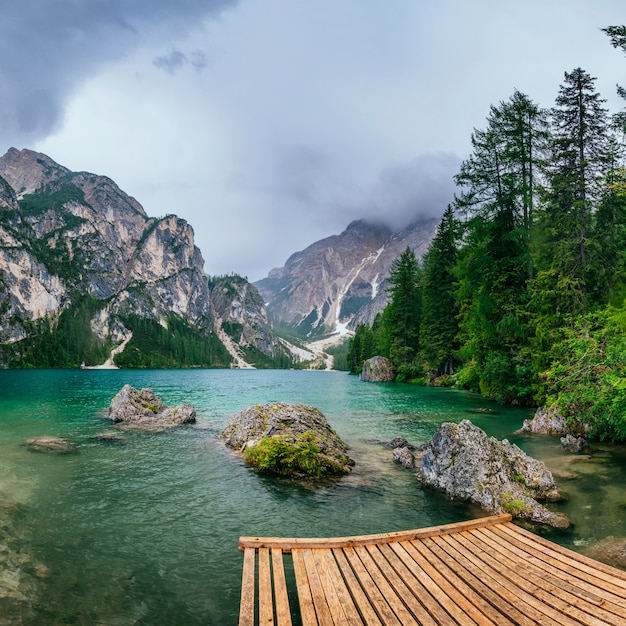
340,281
75,239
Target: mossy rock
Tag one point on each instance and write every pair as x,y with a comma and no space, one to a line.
288,440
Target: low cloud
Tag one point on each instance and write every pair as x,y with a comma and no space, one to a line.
420,188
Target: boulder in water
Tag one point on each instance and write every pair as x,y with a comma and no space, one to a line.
574,445
462,460
403,456
378,369
288,440
144,410
551,422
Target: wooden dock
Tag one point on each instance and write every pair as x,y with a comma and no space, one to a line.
485,571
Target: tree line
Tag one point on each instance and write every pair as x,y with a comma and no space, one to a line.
520,296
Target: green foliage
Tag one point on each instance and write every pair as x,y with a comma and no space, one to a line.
178,345
260,360
70,342
587,376
513,294
439,324
361,347
339,353
287,456
52,197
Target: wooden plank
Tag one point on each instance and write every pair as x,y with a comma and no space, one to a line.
246,605
283,612
286,544
392,597
404,586
361,601
456,614
559,568
330,593
370,588
332,571
567,578
322,610
466,573
514,595
535,588
455,588
598,570
307,608
564,596
266,602
428,611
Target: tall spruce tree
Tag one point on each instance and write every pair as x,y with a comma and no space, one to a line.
403,313
498,195
439,326
580,158
582,154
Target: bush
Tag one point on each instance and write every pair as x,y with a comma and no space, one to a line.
286,456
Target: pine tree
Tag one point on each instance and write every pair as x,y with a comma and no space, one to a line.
439,327
581,154
403,313
498,195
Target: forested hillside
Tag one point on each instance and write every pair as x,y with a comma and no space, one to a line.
521,294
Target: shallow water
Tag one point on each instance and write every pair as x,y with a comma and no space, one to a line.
147,532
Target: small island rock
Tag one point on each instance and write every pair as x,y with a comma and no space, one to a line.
551,422
144,410
378,369
462,460
288,432
50,445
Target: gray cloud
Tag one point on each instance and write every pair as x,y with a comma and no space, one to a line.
176,60
48,49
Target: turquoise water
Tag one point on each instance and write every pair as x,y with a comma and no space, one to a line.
147,532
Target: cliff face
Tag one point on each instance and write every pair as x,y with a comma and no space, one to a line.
66,236
242,316
341,280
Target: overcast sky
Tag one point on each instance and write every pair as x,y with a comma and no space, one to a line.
269,124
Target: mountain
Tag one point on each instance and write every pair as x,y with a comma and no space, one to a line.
84,269
339,282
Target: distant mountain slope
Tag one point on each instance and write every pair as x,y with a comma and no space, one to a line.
340,281
82,267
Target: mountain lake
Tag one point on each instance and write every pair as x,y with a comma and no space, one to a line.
145,531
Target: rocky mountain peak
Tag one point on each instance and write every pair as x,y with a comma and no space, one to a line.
339,281
75,242
27,171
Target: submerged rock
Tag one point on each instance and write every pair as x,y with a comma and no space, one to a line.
50,445
574,445
110,438
144,410
610,550
378,369
287,439
462,460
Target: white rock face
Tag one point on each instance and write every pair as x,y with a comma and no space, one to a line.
65,233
